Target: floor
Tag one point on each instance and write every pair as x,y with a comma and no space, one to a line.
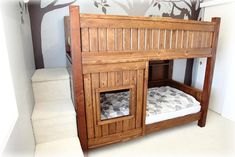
216,139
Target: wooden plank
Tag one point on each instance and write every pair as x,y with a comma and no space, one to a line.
95,79
168,39
102,35
104,83
113,67
141,39
162,39
93,36
79,98
110,39
134,37
89,109
118,82
126,81
133,78
111,83
149,44
195,39
127,39
119,39
196,93
179,39
111,23
173,40
144,18
156,39
140,56
114,138
190,39
85,39
140,82
172,123
145,91
185,39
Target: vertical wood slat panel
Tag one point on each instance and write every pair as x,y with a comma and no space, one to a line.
119,39
111,83
140,80
141,39
102,35
118,82
173,39
148,39
133,82
127,39
93,38
89,110
168,39
85,39
104,83
126,81
156,39
162,39
95,84
134,39
203,40
110,39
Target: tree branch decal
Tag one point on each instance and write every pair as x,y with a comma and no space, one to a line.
103,4
36,16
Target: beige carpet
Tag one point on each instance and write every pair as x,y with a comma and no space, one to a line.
216,139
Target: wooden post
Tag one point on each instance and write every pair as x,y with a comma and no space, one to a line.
209,74
77,75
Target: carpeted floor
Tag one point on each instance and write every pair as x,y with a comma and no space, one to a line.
216,139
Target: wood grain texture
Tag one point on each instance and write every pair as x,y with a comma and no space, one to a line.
79,97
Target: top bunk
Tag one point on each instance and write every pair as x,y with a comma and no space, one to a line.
103,39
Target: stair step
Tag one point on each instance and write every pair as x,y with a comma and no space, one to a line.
60,148
41,75
51,84
54,120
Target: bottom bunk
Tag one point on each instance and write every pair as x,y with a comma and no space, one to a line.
163,103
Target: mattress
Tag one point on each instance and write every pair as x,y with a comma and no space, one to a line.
166,103
162,103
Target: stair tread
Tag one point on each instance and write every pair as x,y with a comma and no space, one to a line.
60,148
52,109
50,74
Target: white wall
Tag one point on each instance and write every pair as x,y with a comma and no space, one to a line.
222,100
21,61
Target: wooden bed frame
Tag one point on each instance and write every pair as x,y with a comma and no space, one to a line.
118,52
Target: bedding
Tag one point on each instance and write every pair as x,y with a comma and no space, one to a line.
162,103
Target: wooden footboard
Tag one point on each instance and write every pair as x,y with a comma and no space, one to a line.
172,123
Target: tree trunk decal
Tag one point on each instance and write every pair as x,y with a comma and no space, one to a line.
36,16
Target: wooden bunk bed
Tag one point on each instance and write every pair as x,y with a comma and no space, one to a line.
115,53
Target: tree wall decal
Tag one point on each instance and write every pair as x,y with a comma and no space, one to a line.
36,16
103,4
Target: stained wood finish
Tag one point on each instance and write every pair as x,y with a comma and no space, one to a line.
150,128
111,79
77,77
209,74
143,39
110,52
